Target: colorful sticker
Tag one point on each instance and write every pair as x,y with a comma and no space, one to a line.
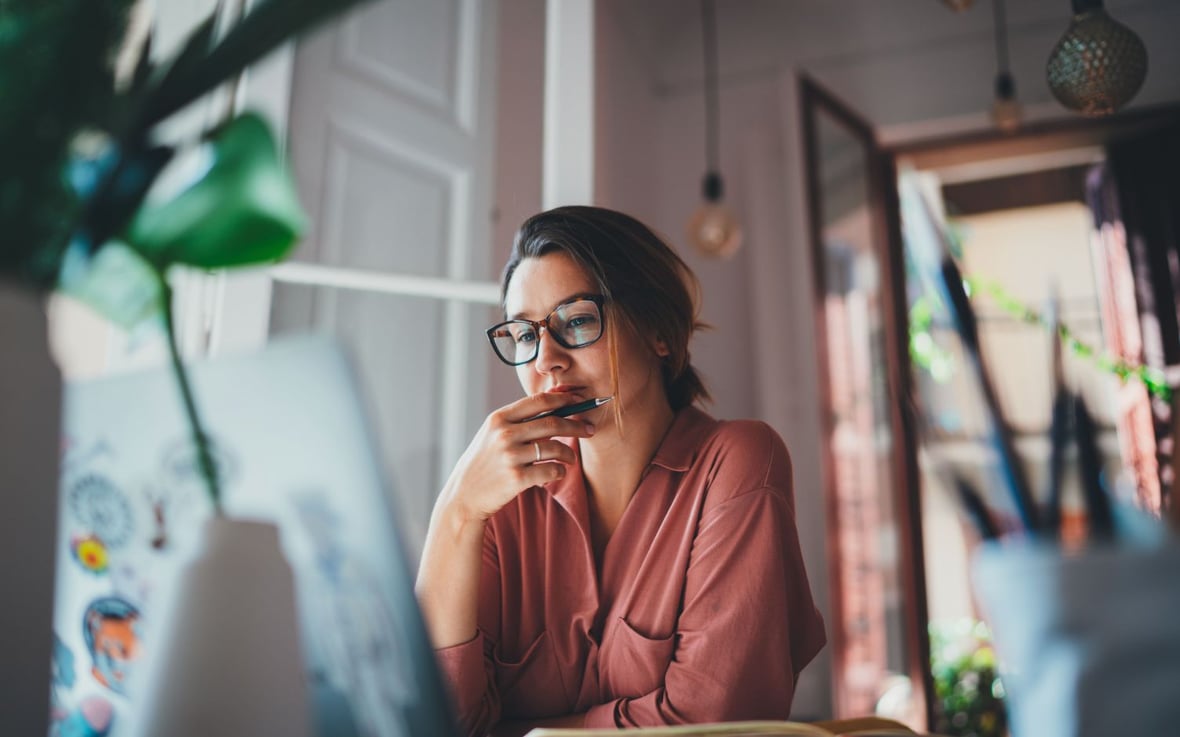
112,627
91,553
63,677
93,718
100,508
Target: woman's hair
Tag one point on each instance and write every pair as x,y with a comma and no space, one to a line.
647,286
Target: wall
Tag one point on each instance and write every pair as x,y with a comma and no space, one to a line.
518,151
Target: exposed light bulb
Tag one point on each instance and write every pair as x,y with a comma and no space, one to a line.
1006,111
713,229
1099,64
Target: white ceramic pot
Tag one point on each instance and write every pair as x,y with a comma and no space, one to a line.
1089,641
225,654
30,442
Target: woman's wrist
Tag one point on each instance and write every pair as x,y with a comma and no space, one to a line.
459,520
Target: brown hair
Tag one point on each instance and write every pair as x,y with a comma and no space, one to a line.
648,287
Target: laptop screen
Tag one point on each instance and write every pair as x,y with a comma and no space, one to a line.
292,447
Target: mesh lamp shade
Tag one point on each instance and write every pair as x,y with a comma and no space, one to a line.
1099,64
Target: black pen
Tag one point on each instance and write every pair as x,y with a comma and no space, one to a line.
975,508
572,409
1100,515
1061,419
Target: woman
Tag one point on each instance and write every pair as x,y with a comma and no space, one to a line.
633,565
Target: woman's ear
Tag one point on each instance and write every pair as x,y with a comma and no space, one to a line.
661,348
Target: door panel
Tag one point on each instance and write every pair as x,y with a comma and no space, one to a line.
391,146
878,633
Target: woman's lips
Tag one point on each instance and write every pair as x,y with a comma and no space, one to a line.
565,389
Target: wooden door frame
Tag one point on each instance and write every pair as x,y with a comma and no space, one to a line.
886,223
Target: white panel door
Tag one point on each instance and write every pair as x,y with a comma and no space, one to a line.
390,142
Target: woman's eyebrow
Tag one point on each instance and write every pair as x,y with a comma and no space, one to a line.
559,303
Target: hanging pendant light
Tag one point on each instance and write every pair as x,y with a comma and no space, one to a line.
1006,110
1099,64
713,230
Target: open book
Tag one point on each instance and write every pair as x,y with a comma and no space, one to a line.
869,727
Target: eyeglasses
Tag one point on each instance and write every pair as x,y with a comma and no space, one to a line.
573,324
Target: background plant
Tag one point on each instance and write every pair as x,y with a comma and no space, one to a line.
967,687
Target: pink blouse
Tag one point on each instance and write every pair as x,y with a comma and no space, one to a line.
701,611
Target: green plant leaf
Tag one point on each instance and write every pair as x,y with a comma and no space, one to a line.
242,210
55,79
116,282
196,47
268,25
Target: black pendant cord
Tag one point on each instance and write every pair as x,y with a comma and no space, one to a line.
709,44
1081,6
1005,85
1001,31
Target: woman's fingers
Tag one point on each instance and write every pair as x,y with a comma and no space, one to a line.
551,427
539,474
540,451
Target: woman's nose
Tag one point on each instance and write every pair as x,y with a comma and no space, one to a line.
550,354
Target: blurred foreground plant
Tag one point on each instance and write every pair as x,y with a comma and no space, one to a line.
94,203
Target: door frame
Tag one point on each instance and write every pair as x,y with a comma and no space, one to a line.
886,225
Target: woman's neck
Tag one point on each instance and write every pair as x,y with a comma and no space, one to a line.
613,463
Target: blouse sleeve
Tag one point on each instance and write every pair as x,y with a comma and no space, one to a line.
748,624
467,668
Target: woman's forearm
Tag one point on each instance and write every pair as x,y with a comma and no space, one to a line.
448,575
520,728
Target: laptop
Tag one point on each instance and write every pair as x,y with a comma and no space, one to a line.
293,447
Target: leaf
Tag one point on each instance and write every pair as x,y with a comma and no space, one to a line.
116,282
123,191
267,26
55,79
195,48
143,66
241,209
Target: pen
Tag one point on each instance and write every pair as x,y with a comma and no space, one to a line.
932,254
1059,430
976,509
1100,516
572,409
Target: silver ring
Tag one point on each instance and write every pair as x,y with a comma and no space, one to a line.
537,447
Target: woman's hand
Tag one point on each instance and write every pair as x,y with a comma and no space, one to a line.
511,453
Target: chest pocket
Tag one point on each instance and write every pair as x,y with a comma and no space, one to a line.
632,663
531,685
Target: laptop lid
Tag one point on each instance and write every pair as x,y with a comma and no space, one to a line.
293,447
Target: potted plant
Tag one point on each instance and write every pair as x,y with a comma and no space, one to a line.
82,210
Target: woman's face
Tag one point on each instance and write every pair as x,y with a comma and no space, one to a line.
539,285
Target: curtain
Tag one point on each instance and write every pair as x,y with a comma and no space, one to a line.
1135,199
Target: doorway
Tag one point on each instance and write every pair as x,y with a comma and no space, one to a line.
1018,206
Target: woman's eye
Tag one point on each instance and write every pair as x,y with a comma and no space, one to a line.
526,336
581,321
